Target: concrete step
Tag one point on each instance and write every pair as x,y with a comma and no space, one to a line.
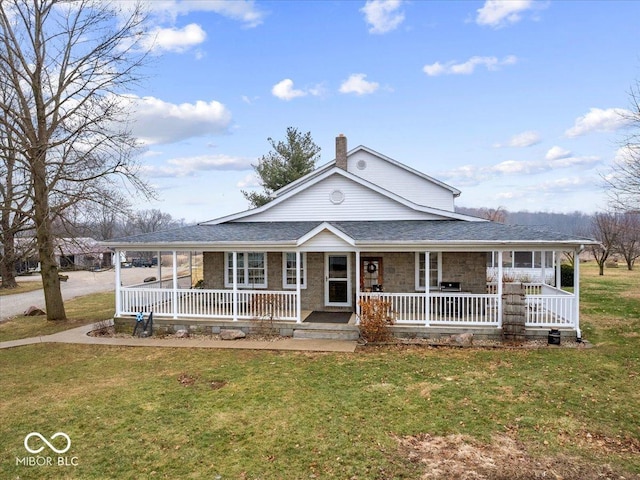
326,334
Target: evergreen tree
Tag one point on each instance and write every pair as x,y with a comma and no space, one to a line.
289,160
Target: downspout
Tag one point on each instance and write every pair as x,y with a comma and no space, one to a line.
118,284
174,292
298,287
357,287
499,290
235,285
576,291
427,302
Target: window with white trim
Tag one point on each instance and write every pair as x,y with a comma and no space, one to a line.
435,270
289,270
252,270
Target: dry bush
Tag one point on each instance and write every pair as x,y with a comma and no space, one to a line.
375,319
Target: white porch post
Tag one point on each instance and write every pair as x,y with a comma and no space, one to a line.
235,285
427,302
298,287
543,271
499,291
557,261
357,287
174,292
576,292
118,284
159,269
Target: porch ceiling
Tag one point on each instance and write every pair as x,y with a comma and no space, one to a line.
412,234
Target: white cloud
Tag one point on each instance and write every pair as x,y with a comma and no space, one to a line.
250,180
357,84
468,67
155,121
599,120
174,39
244,11
382,15
473,175
284,90
557,153
521,140
498,13
190,166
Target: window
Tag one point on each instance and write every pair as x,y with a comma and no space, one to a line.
435,270
289,270
252,270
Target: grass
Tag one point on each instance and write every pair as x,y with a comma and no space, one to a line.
80,311
169,413
23,287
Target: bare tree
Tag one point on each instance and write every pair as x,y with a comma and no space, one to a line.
498,215
624,178
628,242
14,201
605,229
67,65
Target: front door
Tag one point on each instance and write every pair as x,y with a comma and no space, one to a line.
337,280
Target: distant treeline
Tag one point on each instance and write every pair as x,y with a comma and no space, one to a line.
576,223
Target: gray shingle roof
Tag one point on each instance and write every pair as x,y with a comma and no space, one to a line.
364,232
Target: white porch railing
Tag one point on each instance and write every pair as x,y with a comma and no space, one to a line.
546,306
444,308
550,307
252,304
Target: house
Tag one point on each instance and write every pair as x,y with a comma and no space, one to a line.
362,226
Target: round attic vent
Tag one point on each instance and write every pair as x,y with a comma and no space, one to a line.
336,197
362,164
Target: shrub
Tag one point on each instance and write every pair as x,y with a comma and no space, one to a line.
566,275
375,320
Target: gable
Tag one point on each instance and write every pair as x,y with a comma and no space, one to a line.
337,198
401,180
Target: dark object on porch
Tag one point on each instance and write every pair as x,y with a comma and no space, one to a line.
328,317
554,337
450,287
149,279
146,328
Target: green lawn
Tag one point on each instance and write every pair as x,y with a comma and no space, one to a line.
80,311
176,413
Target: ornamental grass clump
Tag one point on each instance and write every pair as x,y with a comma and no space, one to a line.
375,319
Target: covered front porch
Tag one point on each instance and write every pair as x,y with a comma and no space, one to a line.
247,288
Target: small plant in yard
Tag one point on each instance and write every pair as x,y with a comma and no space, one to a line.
375,320
103,328
266,308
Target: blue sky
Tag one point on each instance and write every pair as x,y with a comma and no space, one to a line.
517,104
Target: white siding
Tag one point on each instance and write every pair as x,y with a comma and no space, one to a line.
402,182
360,203
326,241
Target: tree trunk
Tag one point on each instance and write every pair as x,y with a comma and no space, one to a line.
54,305
7,264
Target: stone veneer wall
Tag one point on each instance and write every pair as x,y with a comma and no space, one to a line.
468,268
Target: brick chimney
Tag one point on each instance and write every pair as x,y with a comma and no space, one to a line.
341,151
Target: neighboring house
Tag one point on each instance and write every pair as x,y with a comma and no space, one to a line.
361,226
81,253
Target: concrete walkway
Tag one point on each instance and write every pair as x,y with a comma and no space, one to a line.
79,336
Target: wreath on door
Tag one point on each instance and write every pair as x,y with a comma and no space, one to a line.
372,267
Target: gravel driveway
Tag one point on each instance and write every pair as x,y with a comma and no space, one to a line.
79,283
